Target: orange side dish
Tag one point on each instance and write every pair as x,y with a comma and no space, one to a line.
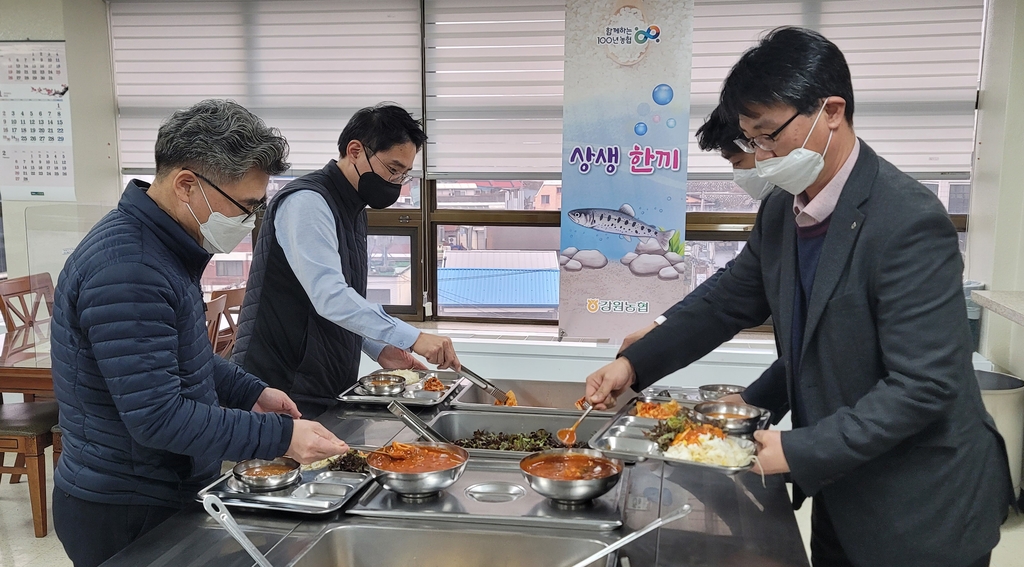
692,434
434,385
657,410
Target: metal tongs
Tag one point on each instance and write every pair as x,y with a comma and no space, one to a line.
622,542
415,423
484,385
219,511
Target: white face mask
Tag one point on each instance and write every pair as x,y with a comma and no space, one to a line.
795,171
221,233
748,180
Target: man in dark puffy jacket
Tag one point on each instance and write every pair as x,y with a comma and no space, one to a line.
147,411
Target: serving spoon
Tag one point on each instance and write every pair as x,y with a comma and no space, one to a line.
567,436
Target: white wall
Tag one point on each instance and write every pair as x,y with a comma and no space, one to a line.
995,236
83,25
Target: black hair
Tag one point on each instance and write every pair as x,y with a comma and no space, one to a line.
794,66
381,127
719,132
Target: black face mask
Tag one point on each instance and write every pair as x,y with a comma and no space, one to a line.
376,191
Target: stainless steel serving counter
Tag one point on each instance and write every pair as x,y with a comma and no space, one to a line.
735,521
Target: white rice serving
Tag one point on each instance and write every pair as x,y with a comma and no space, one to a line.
728,452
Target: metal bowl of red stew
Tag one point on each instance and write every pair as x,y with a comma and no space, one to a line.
418,470
733,419
571,475
267,475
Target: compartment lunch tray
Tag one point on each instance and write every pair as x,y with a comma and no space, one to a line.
317,492
622,437
414,394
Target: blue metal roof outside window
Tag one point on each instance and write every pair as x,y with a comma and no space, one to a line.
493,287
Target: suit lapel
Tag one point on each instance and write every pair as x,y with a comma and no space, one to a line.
846,223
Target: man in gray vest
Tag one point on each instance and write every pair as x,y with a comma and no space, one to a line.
305,317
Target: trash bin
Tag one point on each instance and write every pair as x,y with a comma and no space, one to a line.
973,311
1003,396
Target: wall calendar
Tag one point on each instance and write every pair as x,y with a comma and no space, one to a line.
35,123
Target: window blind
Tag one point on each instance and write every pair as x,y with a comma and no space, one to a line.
914,63
303,66
494,87
493,73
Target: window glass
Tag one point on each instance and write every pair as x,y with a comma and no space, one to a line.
955,195
500,195
389,280
497,272
719,196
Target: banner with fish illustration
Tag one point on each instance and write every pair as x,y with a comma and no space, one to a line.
624,143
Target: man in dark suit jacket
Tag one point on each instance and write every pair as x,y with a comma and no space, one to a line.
859,266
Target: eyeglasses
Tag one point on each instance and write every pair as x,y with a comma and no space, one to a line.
259,208
396,177
765,141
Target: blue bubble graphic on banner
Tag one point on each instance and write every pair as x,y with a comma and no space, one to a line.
643,109
662,94
671,123
640,128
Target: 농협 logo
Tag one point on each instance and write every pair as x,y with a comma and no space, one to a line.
596,305
651,33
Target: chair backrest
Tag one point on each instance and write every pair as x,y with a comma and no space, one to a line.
233,305
22,300
214,310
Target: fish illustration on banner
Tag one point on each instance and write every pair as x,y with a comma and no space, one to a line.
626,107
622,222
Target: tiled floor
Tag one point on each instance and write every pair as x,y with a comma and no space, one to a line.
18,548
18,545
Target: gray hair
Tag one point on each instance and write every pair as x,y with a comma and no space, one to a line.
220,139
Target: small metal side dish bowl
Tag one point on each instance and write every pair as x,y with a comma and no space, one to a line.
267,483
421,485
571,491
754,418
713,392
382,384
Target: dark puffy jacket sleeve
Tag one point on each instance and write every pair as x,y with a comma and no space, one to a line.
236,388
133,336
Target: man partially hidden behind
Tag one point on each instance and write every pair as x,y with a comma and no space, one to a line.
719,133
148,412
305,317
860,269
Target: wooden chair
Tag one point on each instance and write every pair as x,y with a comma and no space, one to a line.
25,430
58,447
226,337
214,311
24,302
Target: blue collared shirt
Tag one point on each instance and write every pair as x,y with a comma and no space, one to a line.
307,232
